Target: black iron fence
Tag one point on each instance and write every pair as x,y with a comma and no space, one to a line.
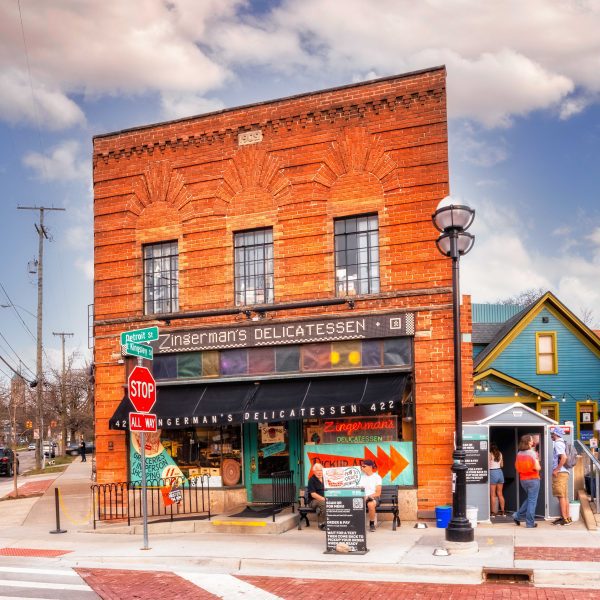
169,498
284,491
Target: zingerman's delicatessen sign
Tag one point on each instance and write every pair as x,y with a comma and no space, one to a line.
297,332
323,377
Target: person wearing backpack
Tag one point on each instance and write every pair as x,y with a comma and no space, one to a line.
560,476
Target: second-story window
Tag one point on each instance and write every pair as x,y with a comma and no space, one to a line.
357,255
161,278
254,267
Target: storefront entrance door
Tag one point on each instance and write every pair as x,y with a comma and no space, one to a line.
270,447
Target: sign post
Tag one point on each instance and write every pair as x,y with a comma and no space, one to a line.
141,389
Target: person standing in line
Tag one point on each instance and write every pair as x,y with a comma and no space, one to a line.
528,467
372,482
315,493
82,450
560,476
496,462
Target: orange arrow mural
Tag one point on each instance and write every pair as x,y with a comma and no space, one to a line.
399,463
383,462
393,463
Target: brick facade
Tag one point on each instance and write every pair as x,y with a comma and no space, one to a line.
377,147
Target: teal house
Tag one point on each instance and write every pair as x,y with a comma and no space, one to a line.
541,355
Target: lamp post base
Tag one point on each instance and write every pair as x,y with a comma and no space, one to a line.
461,547
460,531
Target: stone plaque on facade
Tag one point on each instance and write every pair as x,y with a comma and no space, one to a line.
250,137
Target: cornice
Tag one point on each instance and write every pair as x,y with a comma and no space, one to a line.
285,123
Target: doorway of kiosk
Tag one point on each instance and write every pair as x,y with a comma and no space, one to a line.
507,439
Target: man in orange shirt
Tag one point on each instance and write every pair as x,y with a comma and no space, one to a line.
528,467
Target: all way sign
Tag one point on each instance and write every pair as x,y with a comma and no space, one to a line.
142,422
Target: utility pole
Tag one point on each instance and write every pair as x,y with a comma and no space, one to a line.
63,394
42,233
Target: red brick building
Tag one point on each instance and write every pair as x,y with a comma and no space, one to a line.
286,251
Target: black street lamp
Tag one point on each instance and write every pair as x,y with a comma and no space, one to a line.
453,221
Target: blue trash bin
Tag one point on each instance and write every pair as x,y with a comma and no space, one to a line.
443,514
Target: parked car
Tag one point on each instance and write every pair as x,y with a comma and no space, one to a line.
31,446
7,461
73,448
50,449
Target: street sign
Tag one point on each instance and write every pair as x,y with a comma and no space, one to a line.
142,422
149,334
141,350
142,389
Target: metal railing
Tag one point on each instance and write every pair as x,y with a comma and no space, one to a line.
591,470
284,491
123,500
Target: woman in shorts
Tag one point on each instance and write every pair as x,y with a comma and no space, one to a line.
496,463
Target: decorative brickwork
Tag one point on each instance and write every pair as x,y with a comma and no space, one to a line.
378,147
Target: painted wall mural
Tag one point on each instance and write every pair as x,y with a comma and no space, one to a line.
394,460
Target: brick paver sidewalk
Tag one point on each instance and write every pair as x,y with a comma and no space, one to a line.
113,584
32,488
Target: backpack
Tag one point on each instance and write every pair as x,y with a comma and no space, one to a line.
571,455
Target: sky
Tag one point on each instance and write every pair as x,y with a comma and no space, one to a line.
523,82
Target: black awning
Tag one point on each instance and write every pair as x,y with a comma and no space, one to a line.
332,397
184,406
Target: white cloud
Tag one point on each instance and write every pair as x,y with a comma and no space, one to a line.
504,262
573,106
472,147
504,58
43,105
176,106
86,266
62,163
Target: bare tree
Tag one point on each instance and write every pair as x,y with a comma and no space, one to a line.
70,402
586,314
523,298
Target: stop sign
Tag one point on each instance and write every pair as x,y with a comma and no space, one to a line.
142,389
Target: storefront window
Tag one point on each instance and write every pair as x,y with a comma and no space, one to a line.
214,451
273,449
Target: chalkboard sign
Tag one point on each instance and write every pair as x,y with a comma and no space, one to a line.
345,520
476,449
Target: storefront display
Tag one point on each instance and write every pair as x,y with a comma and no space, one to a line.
189,453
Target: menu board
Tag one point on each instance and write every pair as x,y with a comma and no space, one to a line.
345,520
475,446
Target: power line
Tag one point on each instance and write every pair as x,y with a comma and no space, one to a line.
31,383
42,233
18,357
18,314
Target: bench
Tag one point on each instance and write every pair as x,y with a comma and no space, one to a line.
304,509
388,504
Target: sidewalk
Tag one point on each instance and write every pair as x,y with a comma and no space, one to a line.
557,555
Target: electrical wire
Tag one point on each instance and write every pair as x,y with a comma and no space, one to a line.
22,362
35,105
16,311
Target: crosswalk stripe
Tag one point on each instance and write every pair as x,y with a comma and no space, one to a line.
227,587
60,572
43,585
21,598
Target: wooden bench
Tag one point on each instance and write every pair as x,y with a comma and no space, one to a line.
388,504
304,509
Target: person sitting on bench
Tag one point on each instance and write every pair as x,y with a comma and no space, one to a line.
315,493
372,482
